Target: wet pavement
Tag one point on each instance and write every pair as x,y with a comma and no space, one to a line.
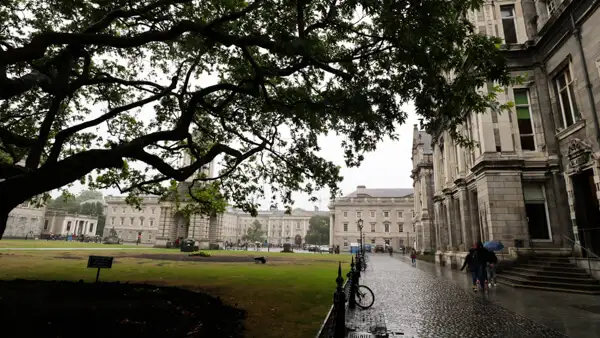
431,301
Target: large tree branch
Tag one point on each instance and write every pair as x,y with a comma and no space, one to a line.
18,86
64,134
21,187
9,138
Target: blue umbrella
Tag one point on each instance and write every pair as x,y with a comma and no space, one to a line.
493,245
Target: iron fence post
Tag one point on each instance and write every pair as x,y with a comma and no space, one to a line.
339,330
352,275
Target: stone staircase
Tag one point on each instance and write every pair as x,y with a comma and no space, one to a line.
550,273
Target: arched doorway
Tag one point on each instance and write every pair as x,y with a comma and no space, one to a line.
298,240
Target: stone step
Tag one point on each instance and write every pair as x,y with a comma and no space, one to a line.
541,272
560,279
572,269
549,284
557,264
553,289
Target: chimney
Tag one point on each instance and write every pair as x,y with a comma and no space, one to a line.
416,127
360,189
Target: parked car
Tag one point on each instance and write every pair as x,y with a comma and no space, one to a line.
379,248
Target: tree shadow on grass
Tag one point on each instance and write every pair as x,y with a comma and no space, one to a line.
66,309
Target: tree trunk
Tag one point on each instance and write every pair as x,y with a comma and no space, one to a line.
3,220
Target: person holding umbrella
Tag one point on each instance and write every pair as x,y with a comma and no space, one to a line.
492,260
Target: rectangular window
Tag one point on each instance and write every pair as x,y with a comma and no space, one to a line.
153,209
46,225
69,226
400,227
131,220
387,227
372,214
123,209
386,214
91,227
387,242
372,240
122,220
141,221
509,26
345,241
566,98
359,214
400,215
114,210
345,214
414,227
524,119
372,227
112,221
345,226
149,236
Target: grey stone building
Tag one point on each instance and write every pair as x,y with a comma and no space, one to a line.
422,175
534,178
25,221
60,222
387,216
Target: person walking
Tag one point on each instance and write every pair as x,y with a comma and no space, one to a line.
413,257
491,269
471,264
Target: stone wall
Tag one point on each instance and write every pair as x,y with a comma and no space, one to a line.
22,221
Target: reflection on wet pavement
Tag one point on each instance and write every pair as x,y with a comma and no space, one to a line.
431,301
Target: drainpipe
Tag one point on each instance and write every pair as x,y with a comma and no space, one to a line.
588,84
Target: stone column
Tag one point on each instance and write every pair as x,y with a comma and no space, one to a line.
474,216
506,217
450,223
465,219
331,228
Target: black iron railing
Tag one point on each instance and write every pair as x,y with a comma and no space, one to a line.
334,325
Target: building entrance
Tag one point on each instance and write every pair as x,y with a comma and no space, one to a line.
587,211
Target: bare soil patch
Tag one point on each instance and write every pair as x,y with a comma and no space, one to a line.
68,310
212,259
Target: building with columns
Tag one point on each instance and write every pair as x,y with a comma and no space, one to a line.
387,216
60,222
422,175
534,177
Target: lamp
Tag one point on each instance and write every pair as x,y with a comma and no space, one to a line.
359,223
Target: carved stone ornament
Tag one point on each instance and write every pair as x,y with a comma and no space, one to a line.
577,146
579,154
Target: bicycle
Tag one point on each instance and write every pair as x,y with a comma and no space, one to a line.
365,298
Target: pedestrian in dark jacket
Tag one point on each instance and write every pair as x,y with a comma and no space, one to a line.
476,260
471,264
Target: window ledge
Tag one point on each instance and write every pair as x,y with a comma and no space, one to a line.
562,134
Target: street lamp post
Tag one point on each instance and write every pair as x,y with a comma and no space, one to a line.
362,244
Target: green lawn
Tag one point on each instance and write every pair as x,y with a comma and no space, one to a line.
287,297
42,243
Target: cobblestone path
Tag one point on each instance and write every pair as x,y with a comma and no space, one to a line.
420,304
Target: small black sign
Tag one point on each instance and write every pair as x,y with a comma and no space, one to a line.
100,262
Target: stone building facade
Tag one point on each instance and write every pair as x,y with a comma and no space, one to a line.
129,221
422,175
63,223
387,216
534,177
24,221
158,222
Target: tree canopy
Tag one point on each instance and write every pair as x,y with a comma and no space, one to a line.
254,233
124,89
318,230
